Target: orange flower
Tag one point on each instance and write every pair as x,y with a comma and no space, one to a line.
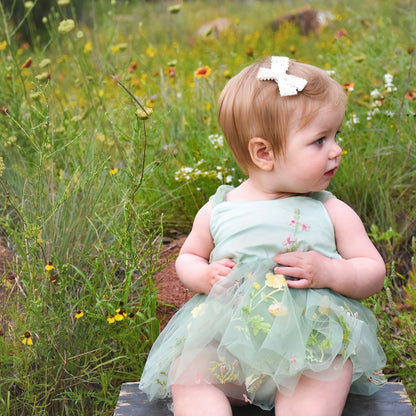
411,95
27,63
202,72
349,86
340,33
133,66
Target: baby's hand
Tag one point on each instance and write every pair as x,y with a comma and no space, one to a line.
309,268
219,269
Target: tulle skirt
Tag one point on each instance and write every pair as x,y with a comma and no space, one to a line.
253,334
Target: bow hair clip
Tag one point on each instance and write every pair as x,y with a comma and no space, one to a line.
288,84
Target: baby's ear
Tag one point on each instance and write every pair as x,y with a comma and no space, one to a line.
261,153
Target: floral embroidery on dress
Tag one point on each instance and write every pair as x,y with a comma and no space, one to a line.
225,372
263,295
291,242
253,382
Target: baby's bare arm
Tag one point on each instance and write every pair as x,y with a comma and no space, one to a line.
359,274
192,265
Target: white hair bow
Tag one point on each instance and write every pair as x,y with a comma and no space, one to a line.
288,84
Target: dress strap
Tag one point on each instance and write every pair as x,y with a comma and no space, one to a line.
323,196
221,194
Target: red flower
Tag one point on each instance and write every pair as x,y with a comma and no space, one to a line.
27,63
202,72
133,66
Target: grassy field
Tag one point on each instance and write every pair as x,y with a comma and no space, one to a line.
109,143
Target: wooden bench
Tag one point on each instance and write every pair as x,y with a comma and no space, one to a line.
391,400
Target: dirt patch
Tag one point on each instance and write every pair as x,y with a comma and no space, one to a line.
171,292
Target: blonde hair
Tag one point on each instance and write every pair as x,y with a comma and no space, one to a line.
249,107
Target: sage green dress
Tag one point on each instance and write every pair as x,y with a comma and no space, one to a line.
253,334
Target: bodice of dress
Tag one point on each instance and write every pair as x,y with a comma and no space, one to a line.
258,230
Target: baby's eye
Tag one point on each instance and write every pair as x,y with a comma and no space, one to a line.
320,141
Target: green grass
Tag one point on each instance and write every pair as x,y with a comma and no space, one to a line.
90,187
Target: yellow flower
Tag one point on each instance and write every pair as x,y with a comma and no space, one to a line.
3,45
79,314
113,171
197,309
256,286
151,52
277,281
202,72
120,315
111,319
66,26
144,114
49,267
27,338
119,47
88,47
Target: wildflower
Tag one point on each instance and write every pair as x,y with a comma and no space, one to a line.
349,86
53,278
28,4
133,66
150,52
44,62
63,2
111,319
172,72
411,95
388,83
3,45
49,267
27,338
340,33
43,76
79,314
113,171
202,72
27,63
256,286
176,8
66,26
216,140
276,281
87,47
4,111
119,47
144,113
120,315
376,94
